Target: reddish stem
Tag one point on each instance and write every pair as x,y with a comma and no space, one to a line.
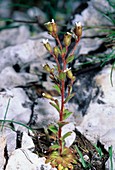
59,43
62,103
57,62
61,116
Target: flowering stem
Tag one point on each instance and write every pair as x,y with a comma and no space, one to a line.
62,105
59,43
57,62
61,116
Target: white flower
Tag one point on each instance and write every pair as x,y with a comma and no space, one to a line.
78,24
69,33
45,41
47,23
43,94
67,69
53,21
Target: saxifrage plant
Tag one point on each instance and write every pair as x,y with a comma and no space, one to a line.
60,156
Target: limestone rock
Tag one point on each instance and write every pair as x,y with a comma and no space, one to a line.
32,50
16,111
98,123
27,142
10,139
9,78
22,159
37,12
5,11
2,147
11,37
92,16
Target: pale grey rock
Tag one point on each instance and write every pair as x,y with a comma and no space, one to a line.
91,16
98,123
37,12
32,50
5,8
109,138
102,5
28,77
10,139
100,116
2,147
9,78
45,113
27,142
11,37
21,16
87,44
22,159
69,128
16,111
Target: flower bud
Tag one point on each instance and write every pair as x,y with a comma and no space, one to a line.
54,25
47,45
56,51
70,74
51,27
78,29
47,96
67,39
47,68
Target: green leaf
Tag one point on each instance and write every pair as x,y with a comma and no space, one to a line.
55,106
112,74
111,155
69,59
99,150
81,156
63,51
53,129
69,97
62,76
62,123
66,135
54,147
67,113
56,87
18,123
5,114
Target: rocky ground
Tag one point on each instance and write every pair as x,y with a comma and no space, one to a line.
22,80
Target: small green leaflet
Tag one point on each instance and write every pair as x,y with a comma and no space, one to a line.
62,123
81,156
54,147
99,150
69,59
66,135
56,87
67,113
63,51
111,156
62,76
69,97
56,106
53,129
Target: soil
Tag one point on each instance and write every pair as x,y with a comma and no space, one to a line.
44,138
